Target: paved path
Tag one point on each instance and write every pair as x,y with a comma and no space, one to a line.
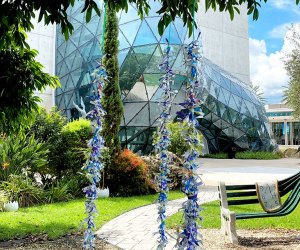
135,229
237,171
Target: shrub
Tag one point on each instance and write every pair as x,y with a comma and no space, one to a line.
75,136
47,127
22,189
176,170
179,131
127,175
258,155
21,153
216,156
58,191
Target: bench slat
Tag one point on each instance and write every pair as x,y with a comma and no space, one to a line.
242,202
240,187
241,194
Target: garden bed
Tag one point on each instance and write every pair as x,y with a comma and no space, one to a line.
267,239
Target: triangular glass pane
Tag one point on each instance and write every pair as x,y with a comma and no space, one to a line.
143,54
155,6
152,83
123,41
170,33
179,80
144,35
79,15
142,118
85,36
132,109
129,16
121,56
130,30
181,30
152,22
154,62
130,71
69,99
75,37
64,69
232,103
155,112
178,66
234,90
238,101
225,84
70,47
226,95
249,106
137,92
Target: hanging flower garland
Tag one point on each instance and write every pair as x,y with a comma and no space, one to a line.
190,238
94,165
164,141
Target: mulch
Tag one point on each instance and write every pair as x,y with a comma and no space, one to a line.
267,239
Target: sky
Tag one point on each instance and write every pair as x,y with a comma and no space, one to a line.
268,44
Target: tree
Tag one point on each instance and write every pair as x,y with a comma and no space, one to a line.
292,65
112,102
20,76
17,14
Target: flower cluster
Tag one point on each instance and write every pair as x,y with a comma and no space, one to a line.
94,165
190,238
163,142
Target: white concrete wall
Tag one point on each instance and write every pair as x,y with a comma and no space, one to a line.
226,42
42,39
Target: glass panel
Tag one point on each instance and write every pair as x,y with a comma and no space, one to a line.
144,35
152,82
142,118
130,30
132,109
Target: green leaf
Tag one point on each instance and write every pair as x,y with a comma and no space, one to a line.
161,26
88,15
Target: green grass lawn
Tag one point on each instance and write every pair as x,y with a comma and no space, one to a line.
58,219
211,218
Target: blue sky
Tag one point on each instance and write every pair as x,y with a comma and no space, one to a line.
267,46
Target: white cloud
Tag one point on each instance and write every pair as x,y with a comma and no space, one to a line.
288,5
279,31
267,71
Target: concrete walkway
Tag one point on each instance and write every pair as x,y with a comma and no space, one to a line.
235,171
135,229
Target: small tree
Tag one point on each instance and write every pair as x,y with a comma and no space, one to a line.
112,102
292,65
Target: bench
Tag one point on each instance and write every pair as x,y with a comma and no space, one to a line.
246,194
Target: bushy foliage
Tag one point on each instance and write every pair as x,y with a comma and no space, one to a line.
21,153
258,155
20,77
47,127
216,156
178,135
176,170
22,189
75,136
128,175
58,191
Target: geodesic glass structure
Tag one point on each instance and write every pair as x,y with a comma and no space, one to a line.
234,116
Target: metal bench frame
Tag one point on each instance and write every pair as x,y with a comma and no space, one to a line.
247,195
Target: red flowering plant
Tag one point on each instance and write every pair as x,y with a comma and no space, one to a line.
128,175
